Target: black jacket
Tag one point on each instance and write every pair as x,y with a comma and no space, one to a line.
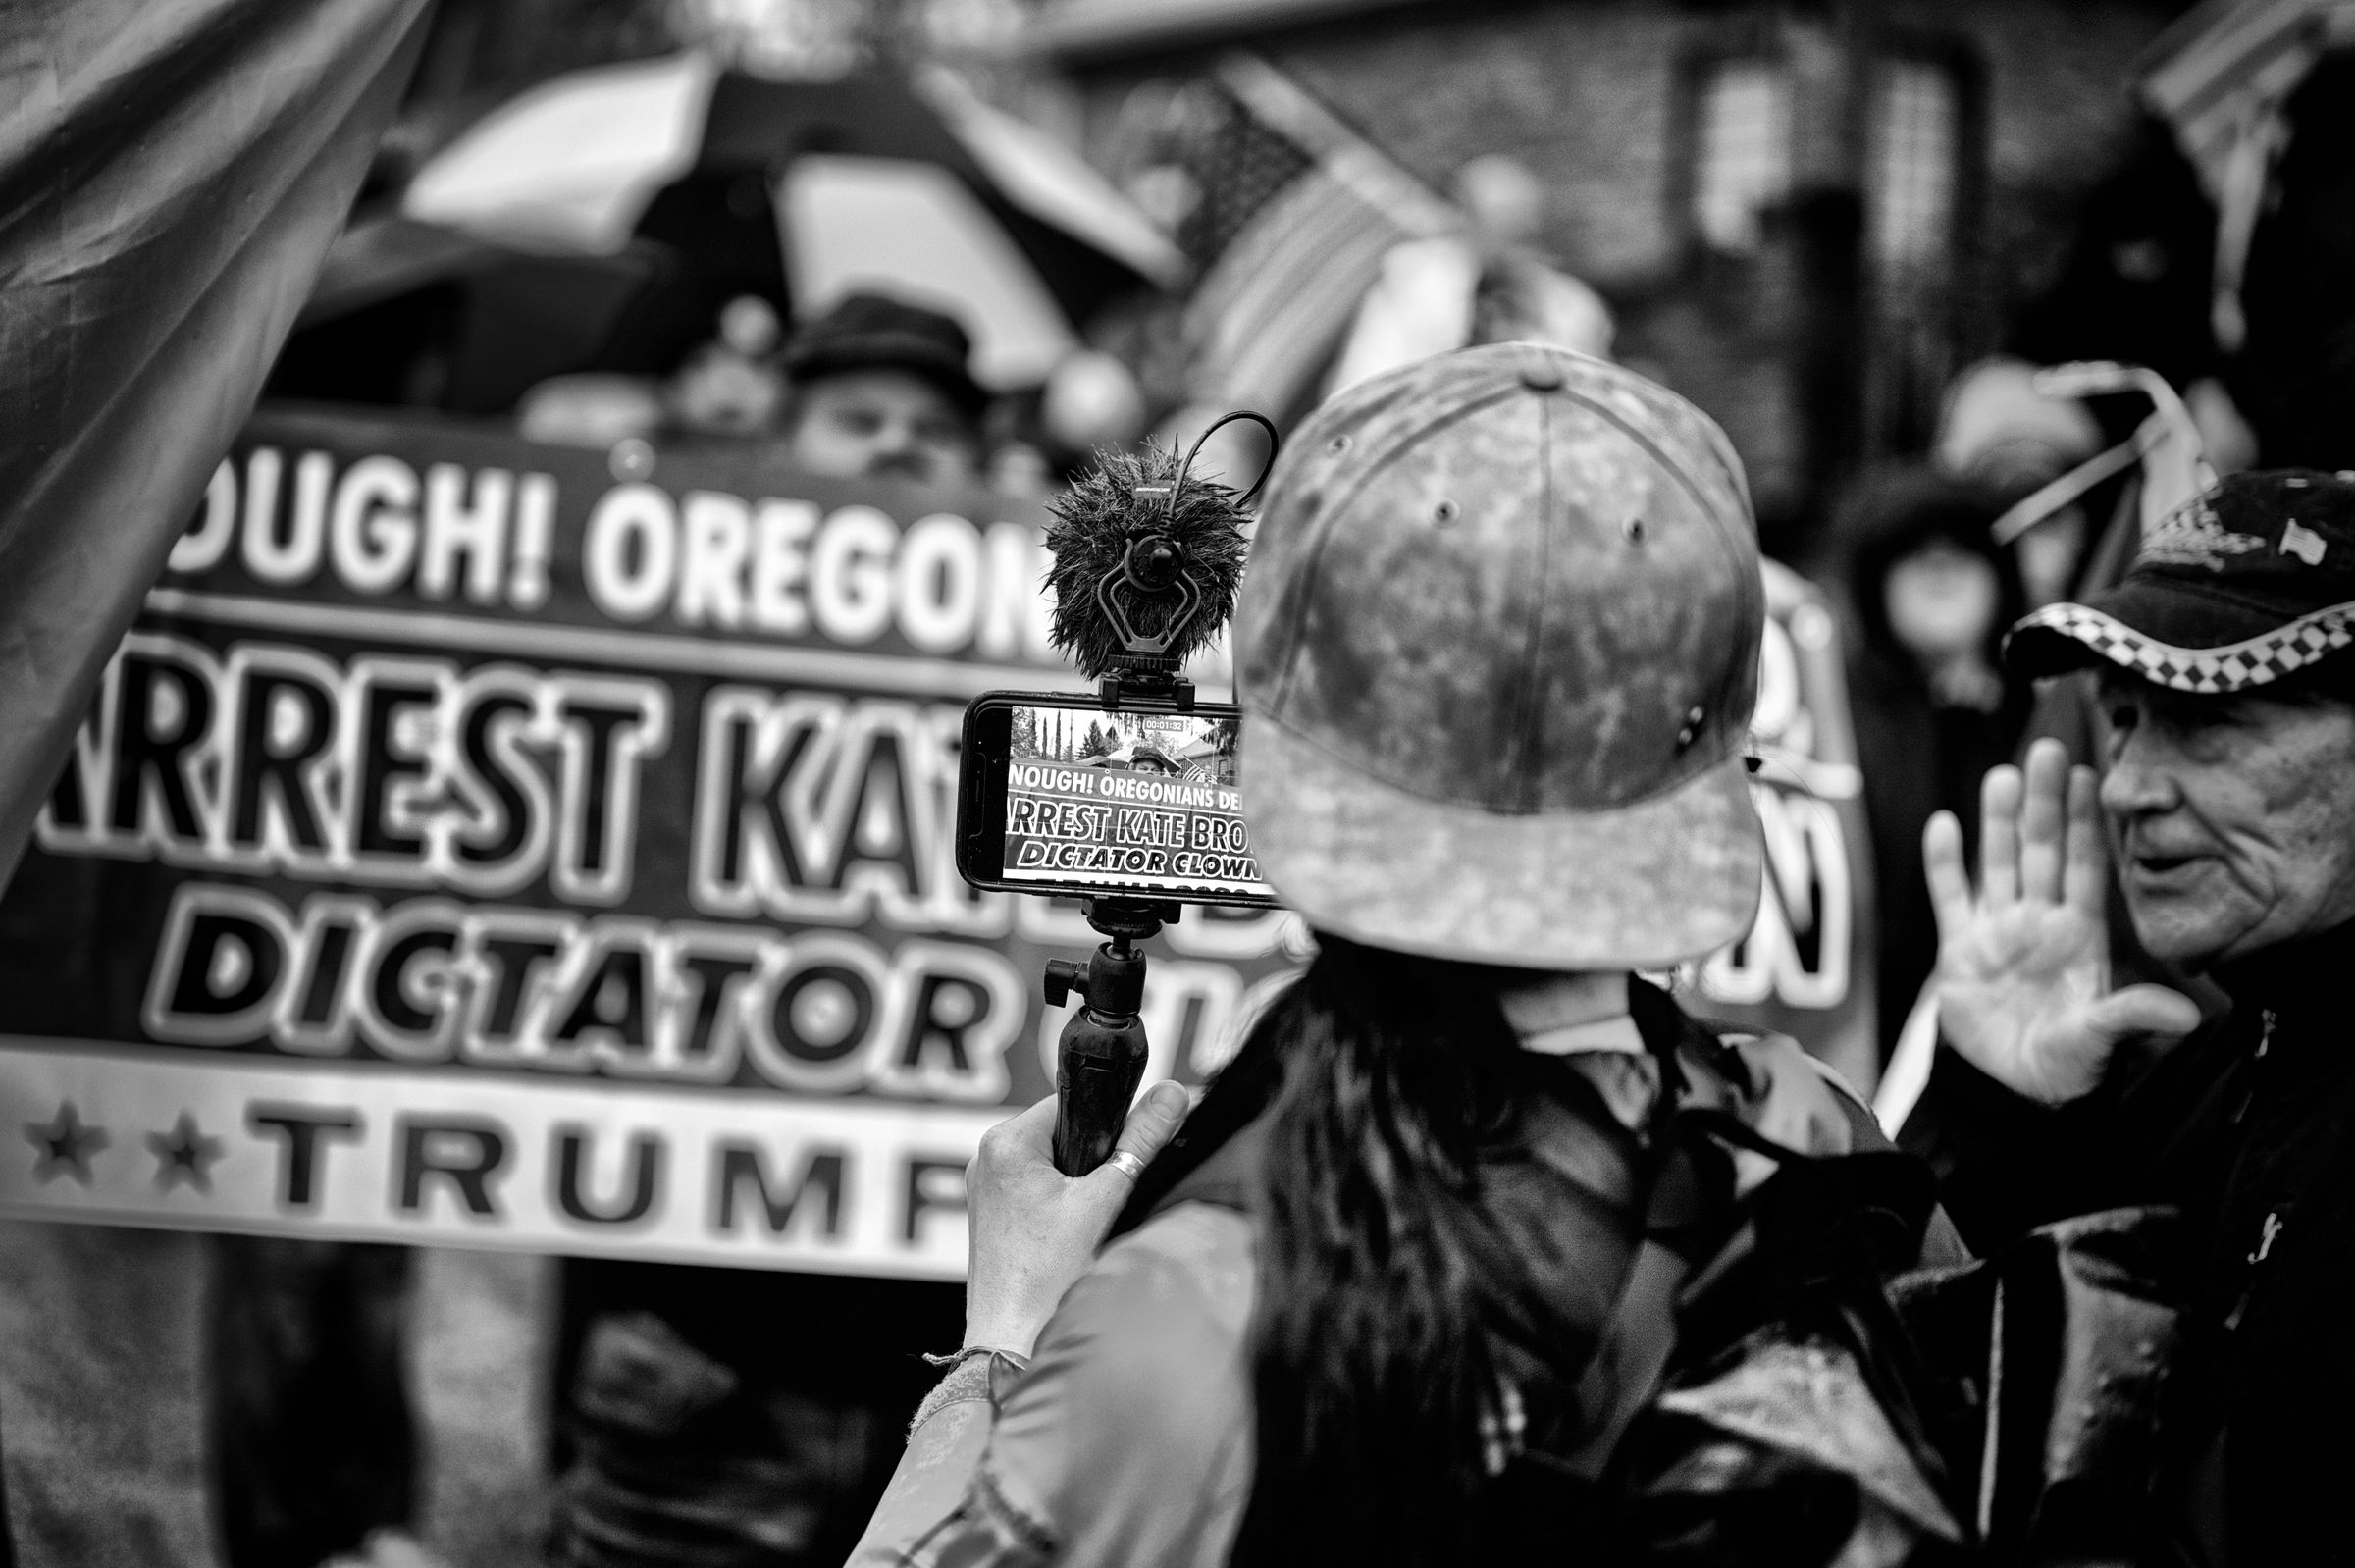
2248,1126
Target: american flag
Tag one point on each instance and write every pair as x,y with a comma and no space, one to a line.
2228,62
1296,213
2220,76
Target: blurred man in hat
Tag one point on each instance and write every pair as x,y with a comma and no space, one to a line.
2228,708
880,389
876,387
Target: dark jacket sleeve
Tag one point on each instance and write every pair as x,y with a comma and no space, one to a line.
2006,1165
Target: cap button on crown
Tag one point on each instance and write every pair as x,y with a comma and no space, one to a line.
1539,373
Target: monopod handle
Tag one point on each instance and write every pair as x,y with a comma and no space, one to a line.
1101,1059
1102,1062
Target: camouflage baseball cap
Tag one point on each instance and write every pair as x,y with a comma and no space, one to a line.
2250,581
1498,645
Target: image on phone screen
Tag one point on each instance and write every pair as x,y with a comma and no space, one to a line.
1131,800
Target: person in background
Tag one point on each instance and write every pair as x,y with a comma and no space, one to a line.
1931,593
878,389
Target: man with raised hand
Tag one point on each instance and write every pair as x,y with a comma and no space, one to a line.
2228,706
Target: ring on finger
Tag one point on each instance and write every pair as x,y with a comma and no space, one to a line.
1127,1164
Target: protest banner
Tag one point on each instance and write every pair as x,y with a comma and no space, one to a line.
1805,968
475,844
483,843
1143,801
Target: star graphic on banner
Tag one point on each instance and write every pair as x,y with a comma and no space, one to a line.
65,1144
184,1154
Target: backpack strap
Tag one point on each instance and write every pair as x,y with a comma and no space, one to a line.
1639,1339
1687,1207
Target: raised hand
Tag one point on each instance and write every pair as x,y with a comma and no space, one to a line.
2023,966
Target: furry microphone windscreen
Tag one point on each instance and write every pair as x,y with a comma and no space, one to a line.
1098,518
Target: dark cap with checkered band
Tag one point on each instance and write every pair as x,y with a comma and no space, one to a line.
2252,581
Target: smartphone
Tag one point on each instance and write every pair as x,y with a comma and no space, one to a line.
1058,794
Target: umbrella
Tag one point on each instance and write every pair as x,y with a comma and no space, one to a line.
411,313
920,188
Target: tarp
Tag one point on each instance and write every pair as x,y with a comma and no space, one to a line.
171,173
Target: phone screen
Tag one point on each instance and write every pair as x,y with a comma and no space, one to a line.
1137,801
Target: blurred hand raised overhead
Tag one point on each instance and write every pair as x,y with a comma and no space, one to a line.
2023,966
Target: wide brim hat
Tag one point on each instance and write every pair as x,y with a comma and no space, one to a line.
1498,651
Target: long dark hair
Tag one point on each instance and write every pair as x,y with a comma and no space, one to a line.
1393,1291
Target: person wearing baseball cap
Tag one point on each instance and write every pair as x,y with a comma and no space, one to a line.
1496,647
2226,661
